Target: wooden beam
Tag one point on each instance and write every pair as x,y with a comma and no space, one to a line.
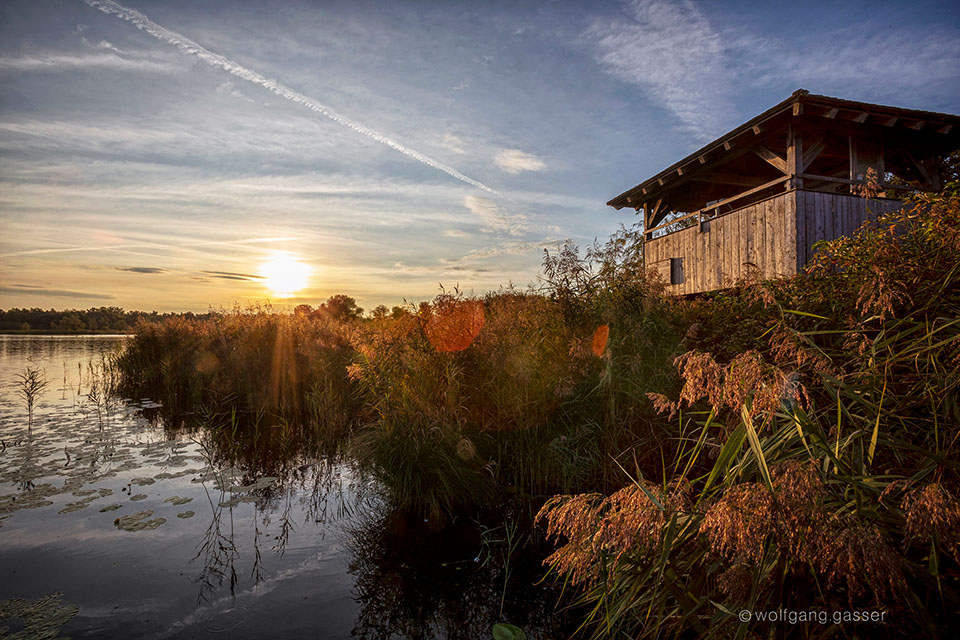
794,157
717,205
887,186
889,122
679,171
831,113
773,158
810,153
926,168
652,215
756,129
727,145
660,181
797,109
916,126
703,159
656,208
945,128
861,117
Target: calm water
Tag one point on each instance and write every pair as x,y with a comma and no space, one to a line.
159,532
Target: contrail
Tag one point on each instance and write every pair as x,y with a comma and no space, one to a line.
188,46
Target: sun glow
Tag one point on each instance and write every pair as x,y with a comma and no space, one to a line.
284,274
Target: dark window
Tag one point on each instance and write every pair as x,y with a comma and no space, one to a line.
676,270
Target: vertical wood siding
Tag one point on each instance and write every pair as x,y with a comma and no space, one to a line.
776,236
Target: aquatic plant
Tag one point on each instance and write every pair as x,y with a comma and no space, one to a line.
102,387
29,385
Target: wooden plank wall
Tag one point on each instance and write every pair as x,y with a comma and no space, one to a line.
776,236
762,234
825,216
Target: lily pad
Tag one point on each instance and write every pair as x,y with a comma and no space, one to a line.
186,514
177,500
138,521
139,496
505,631
111,507
142,481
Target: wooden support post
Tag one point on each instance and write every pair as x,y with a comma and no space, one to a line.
794,157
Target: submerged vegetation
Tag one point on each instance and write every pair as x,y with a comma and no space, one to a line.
788,444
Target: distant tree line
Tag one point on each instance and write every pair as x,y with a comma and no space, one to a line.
76,320
340,307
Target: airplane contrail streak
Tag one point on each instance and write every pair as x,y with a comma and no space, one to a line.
190,47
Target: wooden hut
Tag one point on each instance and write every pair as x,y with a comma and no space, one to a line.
759,197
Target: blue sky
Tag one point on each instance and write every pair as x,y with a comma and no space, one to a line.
393,146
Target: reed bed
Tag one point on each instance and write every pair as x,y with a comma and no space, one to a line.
815,466
789,444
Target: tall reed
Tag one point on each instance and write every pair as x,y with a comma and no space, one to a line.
814,470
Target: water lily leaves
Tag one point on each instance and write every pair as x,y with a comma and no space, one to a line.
166,475
138,521
142,481
177,500
41,619
186,514
111,507
505,631
139,496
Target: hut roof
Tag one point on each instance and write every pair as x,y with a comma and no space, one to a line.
735,161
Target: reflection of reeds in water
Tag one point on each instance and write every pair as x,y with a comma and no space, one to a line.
265,469
102,386
413,581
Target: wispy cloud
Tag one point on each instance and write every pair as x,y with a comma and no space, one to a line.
453,143
30,290
870,56
514,248
61,62
190,47
228,275
673,52
517,161
695,68
141,269
147,245
494,218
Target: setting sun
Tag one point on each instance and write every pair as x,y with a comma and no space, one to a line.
284,274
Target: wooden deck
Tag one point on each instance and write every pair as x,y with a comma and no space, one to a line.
775,235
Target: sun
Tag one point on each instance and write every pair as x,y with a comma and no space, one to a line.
284,274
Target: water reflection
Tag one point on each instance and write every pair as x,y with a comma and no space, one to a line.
413,581
240,516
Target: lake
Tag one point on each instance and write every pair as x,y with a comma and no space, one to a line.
119,521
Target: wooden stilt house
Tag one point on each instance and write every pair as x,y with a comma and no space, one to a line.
759,197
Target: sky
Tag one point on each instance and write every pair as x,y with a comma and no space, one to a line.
180,154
